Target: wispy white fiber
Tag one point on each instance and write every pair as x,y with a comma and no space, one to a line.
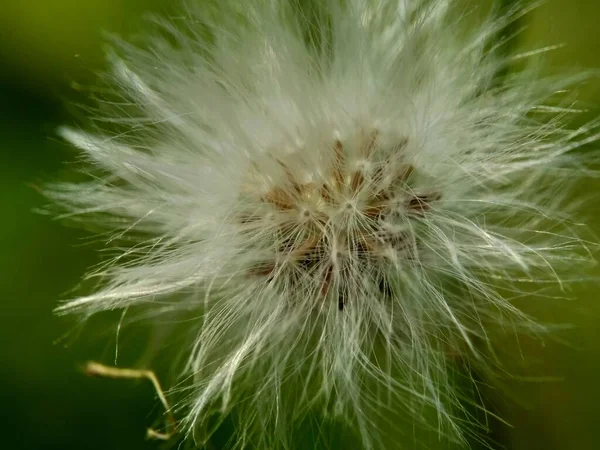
336,199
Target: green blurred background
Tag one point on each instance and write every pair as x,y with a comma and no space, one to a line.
48,49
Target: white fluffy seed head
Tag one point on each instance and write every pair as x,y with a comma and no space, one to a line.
333,199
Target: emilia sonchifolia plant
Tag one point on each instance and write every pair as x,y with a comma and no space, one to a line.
336,200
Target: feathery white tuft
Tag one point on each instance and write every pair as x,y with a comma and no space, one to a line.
333,200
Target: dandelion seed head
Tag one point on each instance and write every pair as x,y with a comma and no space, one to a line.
335,204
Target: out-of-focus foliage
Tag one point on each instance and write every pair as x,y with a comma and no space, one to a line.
54,41
554,402
45,47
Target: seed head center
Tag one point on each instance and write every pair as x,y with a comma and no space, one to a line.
340,219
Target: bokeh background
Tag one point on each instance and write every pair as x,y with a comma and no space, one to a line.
50,51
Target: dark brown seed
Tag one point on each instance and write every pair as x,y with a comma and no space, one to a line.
326,281
338,169
370,145
375,209
305,248
279,198
421,203
356,181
